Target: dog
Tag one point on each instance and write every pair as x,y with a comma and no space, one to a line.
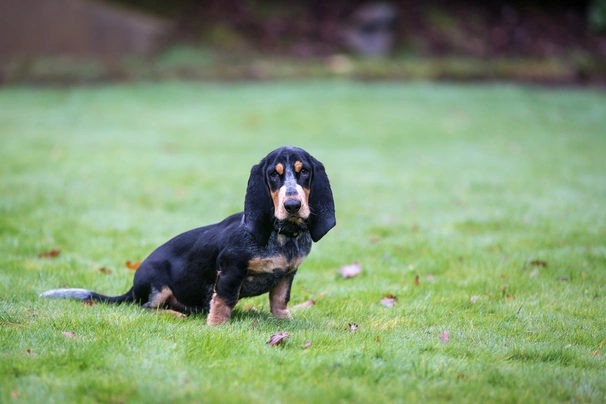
288,204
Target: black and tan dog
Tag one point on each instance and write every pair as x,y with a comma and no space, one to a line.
288,204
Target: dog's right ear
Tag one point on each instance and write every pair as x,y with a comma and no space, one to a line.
258,206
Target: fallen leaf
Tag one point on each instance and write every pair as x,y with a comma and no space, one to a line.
534,272
14,393
563,278
445,337
89,303
353,327
351,270
538,263
378,340
388,300
473,299
307,344
305,304
277,338
49,254
30,353
69,334
105,271
416,280
133,265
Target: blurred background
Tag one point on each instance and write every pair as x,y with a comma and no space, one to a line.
85,41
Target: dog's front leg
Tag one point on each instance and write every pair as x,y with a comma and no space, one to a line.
225,296
279,296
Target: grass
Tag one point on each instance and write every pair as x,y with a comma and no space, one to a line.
490,192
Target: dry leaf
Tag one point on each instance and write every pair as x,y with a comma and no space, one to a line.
388,300
538,263
133,265
563,278
69,334
307,344
49,254
277,338
416,280
15,393
353,327
445,337
351,270
105,271
89,303
378,340
305,304
30,353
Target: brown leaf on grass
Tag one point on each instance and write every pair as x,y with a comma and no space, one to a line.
378,340
307,344
388,300
538,263
69,334
310,302
30,353
49,254
445,337
305,304
353,327
133,265
351,270
416,280
14,393
105,271
89,303
277,338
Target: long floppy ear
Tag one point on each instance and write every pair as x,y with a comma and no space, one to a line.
258,207
321,203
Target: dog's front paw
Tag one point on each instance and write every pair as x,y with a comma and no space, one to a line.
220,312
281,313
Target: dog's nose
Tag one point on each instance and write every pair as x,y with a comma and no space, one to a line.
292,205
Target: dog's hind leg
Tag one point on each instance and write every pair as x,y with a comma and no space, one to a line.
164,301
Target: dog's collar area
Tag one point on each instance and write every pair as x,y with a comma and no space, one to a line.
290,228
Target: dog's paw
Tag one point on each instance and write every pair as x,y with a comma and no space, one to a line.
279,313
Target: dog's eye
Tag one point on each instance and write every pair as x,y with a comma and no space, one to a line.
304,172
274,174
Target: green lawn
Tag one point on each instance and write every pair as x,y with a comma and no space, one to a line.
493,197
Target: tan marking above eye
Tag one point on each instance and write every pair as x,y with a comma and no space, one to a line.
280,168
298,166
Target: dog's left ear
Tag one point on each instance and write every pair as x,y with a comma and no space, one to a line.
258,207
321,203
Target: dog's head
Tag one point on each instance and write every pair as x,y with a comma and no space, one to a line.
288,187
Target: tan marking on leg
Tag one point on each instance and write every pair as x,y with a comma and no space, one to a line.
277,299
220,312
165,298
298,166
280,168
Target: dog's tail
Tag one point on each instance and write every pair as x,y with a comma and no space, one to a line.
87,295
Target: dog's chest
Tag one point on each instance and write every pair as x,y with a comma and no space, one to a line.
281,257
